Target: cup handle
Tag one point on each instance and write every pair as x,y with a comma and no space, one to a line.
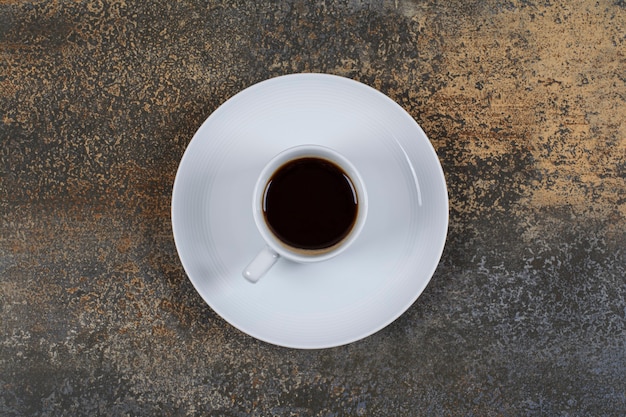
260,264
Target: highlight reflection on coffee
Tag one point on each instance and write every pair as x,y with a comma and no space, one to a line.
310,204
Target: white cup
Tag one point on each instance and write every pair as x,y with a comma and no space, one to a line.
275,248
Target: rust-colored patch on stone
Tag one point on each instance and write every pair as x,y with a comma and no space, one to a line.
554,87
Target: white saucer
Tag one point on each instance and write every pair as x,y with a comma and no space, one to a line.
334,302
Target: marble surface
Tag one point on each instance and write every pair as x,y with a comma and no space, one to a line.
524,102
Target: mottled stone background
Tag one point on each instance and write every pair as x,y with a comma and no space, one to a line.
524,102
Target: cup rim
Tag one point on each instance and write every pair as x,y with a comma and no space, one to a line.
302,151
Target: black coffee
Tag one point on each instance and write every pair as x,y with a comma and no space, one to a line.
310,203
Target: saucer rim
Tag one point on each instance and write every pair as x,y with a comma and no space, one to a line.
399,311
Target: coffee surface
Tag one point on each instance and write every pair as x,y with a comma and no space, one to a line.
310,204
